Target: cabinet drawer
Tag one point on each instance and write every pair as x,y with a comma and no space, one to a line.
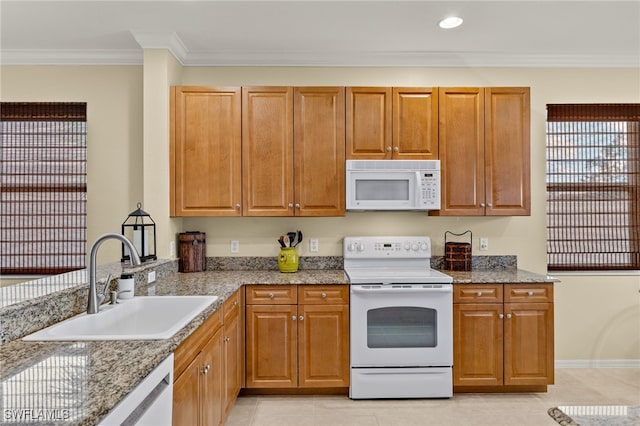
231,305
271,295
323,294
477,293
528,293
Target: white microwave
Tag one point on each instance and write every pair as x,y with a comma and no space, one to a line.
393,184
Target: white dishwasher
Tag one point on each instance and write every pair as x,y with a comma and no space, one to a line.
150,403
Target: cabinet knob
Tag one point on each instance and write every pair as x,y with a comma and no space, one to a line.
271,296
490,205
530,293
290,205
388,149
323,295
227,339
301,318
481,204
238,206
479,294
297,206
293,317
206,368
235,303
500,316
396,149
508,316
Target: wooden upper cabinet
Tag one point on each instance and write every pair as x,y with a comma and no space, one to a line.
507,158
267,151
319,151
368,123
484,151
461,134
415,123
205,152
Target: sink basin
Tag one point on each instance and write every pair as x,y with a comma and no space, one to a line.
139,318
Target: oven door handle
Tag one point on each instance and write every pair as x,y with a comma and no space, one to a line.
364,290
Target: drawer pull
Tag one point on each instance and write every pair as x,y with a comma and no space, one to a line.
271,296
479,294
530,293
323,295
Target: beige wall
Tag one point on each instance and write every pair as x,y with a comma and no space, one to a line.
597,317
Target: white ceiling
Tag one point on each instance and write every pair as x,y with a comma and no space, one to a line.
512,33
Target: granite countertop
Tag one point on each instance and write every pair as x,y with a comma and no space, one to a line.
78,383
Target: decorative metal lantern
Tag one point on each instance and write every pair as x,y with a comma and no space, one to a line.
140,229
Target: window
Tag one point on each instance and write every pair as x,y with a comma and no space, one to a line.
44,191
593,187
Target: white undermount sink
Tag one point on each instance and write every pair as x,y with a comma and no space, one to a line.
139,318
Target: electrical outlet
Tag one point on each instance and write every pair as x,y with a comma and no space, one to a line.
151,277
313,245
172,249
484,243
235,246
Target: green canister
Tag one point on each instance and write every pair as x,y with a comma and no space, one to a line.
288,260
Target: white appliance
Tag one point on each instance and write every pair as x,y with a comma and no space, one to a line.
401,319
150,403
393,184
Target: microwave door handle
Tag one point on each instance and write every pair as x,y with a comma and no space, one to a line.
419,199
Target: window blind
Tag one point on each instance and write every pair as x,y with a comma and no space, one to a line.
593,166
44,190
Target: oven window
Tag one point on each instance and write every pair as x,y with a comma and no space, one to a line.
381,190
401,327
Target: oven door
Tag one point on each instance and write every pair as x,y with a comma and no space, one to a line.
401,325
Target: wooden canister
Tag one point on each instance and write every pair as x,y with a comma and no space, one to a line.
457,255
192,252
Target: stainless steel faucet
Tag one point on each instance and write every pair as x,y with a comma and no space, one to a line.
95,299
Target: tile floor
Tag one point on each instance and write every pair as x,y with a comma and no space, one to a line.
573,387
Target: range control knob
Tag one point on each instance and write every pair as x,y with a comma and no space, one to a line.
415,247
407,246
424,246
351,247
360,247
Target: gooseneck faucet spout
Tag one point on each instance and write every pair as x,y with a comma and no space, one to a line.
93,305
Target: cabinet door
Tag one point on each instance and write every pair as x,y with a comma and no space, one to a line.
528,344
477,344
368,123
319,151
323,345
205,154
186,395
461,135
232,359
415,123
212,396
267,151
271,339
507,134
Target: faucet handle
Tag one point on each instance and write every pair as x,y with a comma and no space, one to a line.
106,286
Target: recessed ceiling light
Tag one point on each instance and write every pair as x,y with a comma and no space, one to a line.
450,22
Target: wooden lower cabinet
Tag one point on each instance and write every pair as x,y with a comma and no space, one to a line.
297,345
208,368
197,392
503,343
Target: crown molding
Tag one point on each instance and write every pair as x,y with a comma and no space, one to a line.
162,40
308,58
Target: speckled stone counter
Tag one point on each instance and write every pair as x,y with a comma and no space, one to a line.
78,383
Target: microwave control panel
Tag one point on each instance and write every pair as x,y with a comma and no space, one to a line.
430,186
